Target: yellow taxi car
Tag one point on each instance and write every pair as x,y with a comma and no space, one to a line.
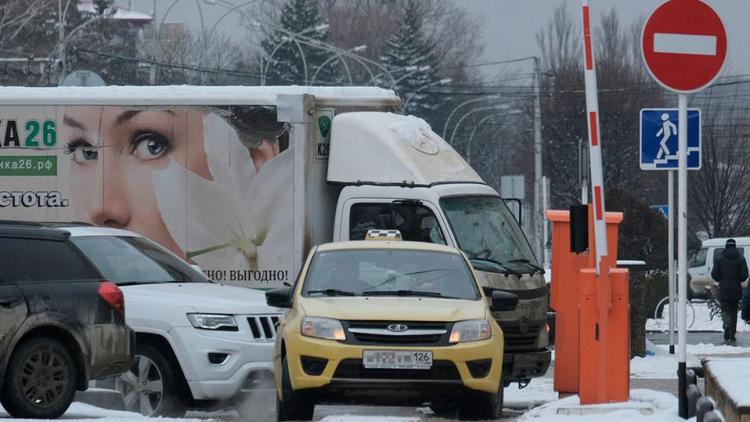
388,322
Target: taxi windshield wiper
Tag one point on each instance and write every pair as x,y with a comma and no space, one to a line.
330,292
401,293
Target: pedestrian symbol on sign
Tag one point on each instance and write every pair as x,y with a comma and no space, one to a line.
659,139
667,130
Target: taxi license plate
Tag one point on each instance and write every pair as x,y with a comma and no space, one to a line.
396,359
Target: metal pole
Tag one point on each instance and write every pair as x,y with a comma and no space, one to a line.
60,42
682,252
538,217
262,73
670,258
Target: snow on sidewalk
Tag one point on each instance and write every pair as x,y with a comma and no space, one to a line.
659,364
644,405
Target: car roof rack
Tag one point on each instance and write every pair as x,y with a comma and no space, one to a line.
65,223
20,223
50,224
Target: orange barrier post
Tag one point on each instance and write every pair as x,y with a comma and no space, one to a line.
604,369
565,294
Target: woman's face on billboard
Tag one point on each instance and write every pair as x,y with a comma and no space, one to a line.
114,150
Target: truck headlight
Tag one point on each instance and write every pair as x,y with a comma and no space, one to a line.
474,330
326,328
217,322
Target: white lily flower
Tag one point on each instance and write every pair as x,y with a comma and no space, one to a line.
240,220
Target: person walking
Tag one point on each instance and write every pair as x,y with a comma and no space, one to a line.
745,310
730,270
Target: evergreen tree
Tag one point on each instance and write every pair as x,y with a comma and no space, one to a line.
406,49
286,67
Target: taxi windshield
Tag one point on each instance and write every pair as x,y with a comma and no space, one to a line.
390,272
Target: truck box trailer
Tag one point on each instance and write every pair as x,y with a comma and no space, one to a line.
242,181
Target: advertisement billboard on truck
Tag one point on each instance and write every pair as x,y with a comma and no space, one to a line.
213,184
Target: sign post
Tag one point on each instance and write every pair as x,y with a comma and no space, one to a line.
659,133
684,45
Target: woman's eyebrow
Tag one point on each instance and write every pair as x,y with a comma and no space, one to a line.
129,114
69,121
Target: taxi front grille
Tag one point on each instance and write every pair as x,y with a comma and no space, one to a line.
416,334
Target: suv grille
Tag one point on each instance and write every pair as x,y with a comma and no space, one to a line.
263,327
441,370
377,332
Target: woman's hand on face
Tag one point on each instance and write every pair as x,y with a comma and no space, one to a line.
265,152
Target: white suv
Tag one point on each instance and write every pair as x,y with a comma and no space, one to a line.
199,344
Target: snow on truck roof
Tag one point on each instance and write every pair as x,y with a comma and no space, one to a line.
189,95
392,149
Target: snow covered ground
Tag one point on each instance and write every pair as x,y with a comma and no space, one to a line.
703,321
659,364
644,405
84,412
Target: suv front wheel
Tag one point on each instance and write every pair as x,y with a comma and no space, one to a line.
41,380
152,386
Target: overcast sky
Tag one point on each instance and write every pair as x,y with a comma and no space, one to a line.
508,26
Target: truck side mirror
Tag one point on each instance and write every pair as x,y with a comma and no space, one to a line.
279,298
503,301
579,228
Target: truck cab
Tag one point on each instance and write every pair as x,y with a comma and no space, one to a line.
394,172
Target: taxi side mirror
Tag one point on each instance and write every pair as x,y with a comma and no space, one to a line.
503,301
279,298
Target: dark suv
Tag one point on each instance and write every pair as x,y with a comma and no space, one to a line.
61,324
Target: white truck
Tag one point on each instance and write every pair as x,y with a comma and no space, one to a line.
242,181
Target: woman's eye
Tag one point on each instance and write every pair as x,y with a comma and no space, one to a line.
150,146
82,153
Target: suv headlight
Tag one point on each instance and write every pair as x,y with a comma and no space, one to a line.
474,330
217,322
326,328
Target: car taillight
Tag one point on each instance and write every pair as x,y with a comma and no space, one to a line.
112,295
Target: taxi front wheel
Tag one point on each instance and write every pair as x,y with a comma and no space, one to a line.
482,405
292,406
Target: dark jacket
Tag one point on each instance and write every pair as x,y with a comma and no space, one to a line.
745,315
730,269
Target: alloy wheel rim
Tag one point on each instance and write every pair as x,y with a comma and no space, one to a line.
44,377
142,387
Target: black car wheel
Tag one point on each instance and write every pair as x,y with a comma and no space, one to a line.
292,406
152,386
41,380
482,406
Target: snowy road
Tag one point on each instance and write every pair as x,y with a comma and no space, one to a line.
517,402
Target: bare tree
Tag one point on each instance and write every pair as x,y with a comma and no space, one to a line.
623,90
720,191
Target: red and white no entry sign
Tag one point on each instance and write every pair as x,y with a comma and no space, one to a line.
684,45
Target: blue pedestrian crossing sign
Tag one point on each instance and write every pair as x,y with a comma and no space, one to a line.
661,209
659,139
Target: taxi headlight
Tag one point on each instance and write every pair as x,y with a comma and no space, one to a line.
474,330
326,328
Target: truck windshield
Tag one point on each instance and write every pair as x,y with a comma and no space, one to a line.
390,272
487,232
135,260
